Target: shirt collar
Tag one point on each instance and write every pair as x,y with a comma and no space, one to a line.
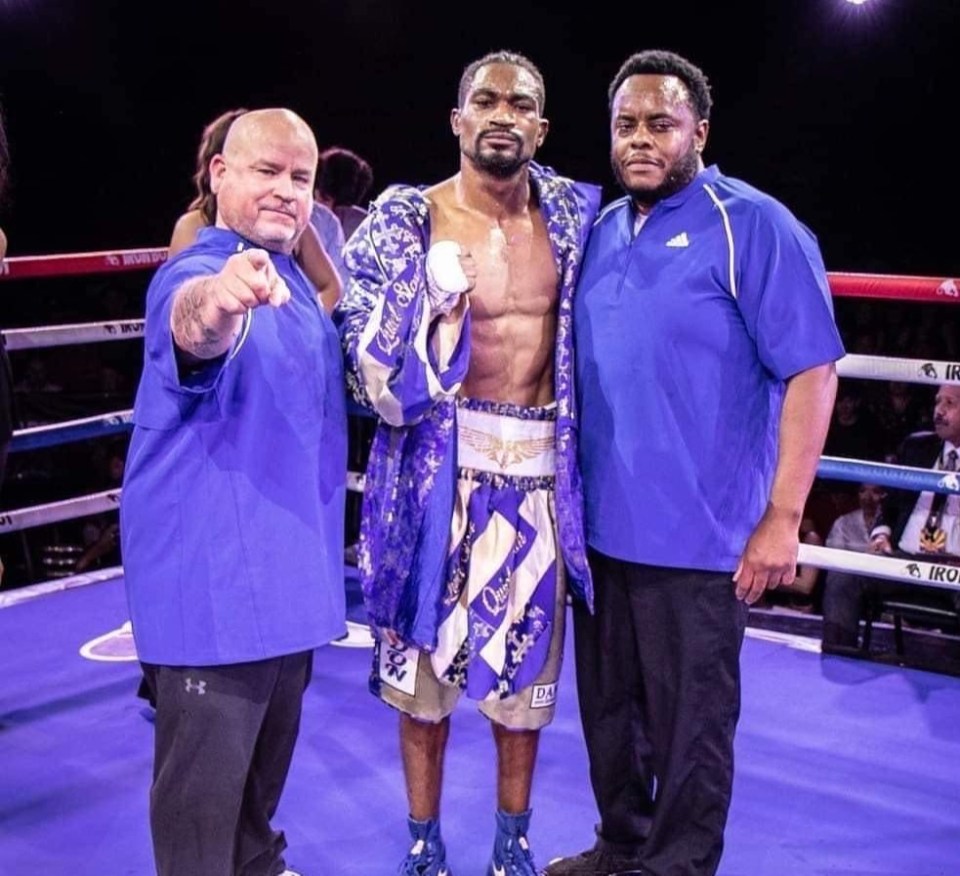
706,176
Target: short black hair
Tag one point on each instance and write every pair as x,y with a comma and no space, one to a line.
503,56
661,62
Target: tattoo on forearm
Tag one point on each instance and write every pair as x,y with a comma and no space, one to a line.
191,332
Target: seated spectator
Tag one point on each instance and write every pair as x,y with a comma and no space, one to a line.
103,548
854,433
925,525
800,595
899,413
851,531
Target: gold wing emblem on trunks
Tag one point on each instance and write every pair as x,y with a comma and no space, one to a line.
504,452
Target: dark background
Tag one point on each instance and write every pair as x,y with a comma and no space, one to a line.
845,113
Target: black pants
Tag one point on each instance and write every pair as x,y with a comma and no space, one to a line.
225,737
658,678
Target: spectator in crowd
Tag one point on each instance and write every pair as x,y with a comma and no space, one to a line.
913,524
315,253
202,210
851,531
344,181
853,433
899,412
800,594
327,229
101,533
233,503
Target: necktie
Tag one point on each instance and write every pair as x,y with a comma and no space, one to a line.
933,539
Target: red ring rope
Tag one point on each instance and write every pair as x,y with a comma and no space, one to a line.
842,285
75,264
931,289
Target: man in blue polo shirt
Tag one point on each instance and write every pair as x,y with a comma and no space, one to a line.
233,505
705,379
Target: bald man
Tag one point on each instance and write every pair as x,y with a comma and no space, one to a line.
233,507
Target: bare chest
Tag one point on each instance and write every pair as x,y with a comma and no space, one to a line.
516,271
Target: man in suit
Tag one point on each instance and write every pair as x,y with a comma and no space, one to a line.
922,524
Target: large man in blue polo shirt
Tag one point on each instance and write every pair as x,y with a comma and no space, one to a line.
705,346
233,502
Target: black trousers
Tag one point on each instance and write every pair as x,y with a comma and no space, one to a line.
658,678
224,740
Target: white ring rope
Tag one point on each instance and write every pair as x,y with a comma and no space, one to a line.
78,333
903,370
94,503
906,570
910,571
54,512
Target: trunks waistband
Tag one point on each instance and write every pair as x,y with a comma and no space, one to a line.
503,443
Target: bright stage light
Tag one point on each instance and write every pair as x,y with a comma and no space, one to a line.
857,2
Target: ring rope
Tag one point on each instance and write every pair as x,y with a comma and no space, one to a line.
919,289
904,370
929,289
908,571
54,512
888,475
830,467
93,503
77,264
52,434
9,598
77,333
842,284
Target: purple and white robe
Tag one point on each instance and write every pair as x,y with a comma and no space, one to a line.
397,366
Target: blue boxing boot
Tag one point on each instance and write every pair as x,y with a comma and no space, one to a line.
511,851
428,854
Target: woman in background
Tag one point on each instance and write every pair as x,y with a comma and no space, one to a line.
202,212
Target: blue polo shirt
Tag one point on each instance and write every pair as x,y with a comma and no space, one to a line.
685,335
232,507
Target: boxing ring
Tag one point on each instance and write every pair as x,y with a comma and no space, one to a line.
842,765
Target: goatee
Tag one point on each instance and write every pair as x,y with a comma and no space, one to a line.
679,176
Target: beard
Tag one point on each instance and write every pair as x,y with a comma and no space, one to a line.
684,169
499,163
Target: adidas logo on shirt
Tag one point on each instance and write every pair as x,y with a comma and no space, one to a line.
680,240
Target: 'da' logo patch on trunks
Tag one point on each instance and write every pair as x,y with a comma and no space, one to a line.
543,695
398,667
